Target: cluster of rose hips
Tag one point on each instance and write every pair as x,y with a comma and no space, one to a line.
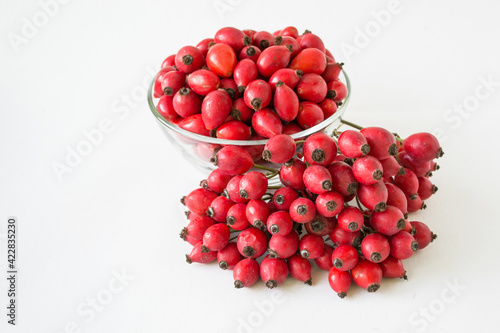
344,203
248,85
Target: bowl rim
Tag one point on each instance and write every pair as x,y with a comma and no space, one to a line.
206,139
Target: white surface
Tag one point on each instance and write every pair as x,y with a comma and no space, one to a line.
118,209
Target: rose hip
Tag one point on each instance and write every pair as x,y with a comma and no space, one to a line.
291,174
199,200
246,273
332,71
422,147
203,46
388,222
252,242
286,102
343,181
258,94
194,231
186,103
289,77
165,107
309,60
302,210
263,39
423,235
257,212
396,198
232,37
197,255
266,123
279,149
329,203
408,183
337,90
350,219
309,115
403,245
339,236
272,59
375,247
244,73
425,188
319,149
215,237
311,246
233,160
232,190
367,170
353,144
415,203
374,196
194,124
312,88
279,223
321,226
300,268
317,179
188,59
273,271
339,281
283,246
367,275
221,60
324,262
283,198
215,108
234,130
219,207
236,217
203,81
229,256
241,111
393,268
329,107
172,81
253,185
345,257
250,52
382,142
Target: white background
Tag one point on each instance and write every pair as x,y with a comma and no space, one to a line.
118,211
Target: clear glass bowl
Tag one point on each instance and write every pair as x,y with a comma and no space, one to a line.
199,149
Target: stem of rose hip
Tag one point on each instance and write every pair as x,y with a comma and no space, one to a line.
274,187
258,166
358,203
351,124
298,142
272,174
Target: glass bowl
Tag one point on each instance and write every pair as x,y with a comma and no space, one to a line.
199,149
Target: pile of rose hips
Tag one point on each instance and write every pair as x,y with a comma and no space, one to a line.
248,85
344,203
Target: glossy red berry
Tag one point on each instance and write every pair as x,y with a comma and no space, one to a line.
215,108
309,60
345,257
257,212
403,245
329,107
219,207
165,107
408,183
236,217
332,71
234,130
329,203
279,223
186,102
246,273
291,174
283,246
286,102
425,188
241,111
396,198
273,271
244,73
215,237
339,236
340,281
272,59
367,275
321,226
253,185
317,179
393,268
169,61
263,39
283,198
415,203
233,160
337,90
382,142
221,59
252,242
266,123
302,210
229,256
193,232
310,40
188,59
203,81
232,37
258,94
172,81
309,115
250,52
230,87
374,196
391,167
324,262
288,42
312,88
232,190
204,45
343,181
319,149
388,222
311,246
279,149
300,268
367,170
158,90
194,124
350,219
199,200
197,255
375,247
423,235
353,144
422,147
288,76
